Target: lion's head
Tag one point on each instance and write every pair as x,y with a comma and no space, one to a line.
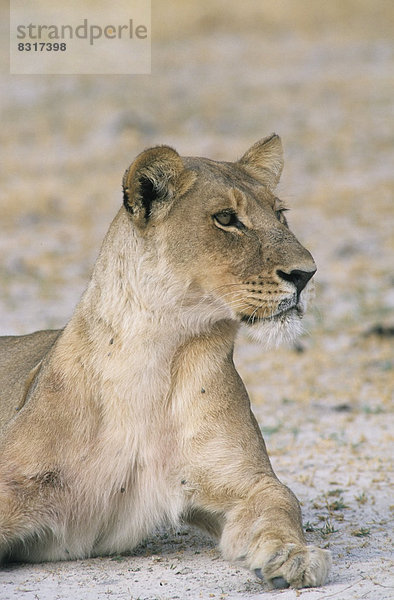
223,232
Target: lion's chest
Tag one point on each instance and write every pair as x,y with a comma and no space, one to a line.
139,486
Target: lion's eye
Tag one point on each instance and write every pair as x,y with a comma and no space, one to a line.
227,219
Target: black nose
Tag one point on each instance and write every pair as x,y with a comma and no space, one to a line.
297,277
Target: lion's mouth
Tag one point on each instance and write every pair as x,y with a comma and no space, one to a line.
285,308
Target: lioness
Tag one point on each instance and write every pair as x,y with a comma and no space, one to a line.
133,415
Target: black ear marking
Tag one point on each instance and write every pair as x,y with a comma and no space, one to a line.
126,191
151,184
148,194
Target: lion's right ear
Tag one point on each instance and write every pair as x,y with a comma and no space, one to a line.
264,160
152,183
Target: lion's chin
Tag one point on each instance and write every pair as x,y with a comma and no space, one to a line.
280,329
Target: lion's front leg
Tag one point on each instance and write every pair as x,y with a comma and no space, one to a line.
264,531
258,518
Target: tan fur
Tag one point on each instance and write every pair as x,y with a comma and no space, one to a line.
134,416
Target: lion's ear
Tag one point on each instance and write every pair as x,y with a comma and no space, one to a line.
264,160
152,182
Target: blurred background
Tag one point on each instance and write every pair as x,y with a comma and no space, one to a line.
224,74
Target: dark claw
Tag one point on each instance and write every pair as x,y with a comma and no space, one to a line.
258,573
279,583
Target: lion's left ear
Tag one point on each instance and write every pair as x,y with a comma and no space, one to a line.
152,182
264,160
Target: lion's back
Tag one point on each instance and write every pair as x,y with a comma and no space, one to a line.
18,356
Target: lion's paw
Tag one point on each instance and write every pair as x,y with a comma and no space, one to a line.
292,565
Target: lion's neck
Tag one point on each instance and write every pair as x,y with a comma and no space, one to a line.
133,319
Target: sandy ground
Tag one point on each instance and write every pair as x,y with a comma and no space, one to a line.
321,75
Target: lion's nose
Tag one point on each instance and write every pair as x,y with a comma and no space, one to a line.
297,277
